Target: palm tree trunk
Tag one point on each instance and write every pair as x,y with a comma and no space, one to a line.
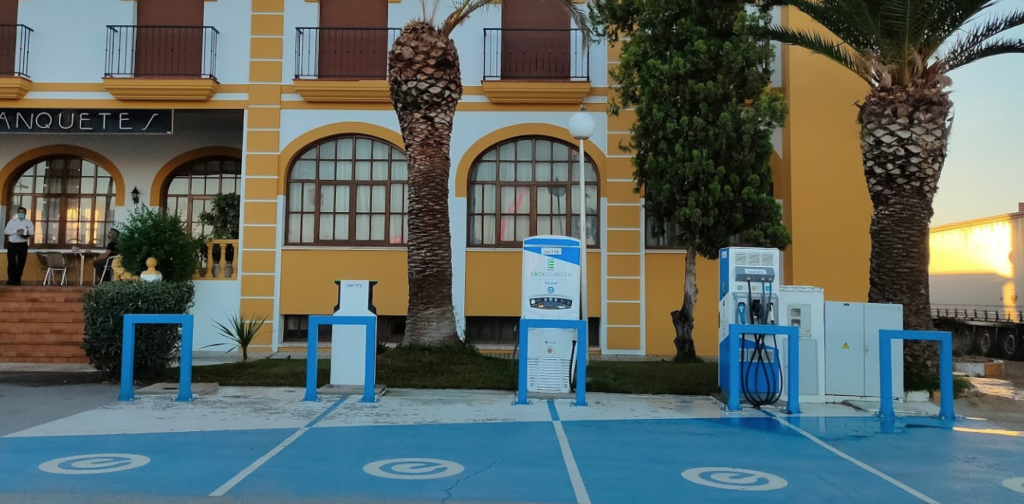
682,319
426,86
904,135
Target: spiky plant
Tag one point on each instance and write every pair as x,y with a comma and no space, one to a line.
426,86
240,331
904,50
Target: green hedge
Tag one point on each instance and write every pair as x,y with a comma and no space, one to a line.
156,346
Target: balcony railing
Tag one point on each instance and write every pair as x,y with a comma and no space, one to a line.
217,261
14,46
162,51
343,53
520,54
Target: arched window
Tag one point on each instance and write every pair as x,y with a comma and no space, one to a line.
70,200
349,190
527,187
191,189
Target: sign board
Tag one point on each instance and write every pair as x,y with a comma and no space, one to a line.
87,121
551,277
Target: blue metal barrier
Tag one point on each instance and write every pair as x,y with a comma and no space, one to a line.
945,339
582,346
370,323
736,332
128,353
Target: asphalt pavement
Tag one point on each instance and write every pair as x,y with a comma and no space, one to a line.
30,399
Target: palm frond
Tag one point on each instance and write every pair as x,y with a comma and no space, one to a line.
837,51
430,8
950,17
465,8
850,20
984,50
977,42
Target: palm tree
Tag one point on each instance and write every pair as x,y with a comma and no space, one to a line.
426,86
904,51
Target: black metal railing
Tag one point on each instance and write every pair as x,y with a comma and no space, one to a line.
521,54
161,51
14,46
979,313
343,53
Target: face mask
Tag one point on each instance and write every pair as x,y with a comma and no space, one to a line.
21,216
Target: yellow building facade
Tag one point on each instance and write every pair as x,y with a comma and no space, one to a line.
284,102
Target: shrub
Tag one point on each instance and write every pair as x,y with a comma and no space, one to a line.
156,346
152,233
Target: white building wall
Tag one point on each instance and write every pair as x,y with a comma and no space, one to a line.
231,19
215,301
69,40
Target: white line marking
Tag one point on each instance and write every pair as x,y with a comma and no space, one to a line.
856,462
570,465
256,465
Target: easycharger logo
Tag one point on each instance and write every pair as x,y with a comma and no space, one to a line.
549,274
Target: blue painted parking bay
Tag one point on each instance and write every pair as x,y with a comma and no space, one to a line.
756,457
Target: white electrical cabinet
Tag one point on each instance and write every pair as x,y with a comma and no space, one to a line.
804,307
851,348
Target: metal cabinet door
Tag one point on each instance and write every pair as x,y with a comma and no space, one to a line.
876,318
844,349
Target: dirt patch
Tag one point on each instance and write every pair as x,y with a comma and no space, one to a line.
998,400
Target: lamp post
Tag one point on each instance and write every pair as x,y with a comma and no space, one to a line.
581,127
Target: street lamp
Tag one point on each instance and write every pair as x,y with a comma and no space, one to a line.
581,127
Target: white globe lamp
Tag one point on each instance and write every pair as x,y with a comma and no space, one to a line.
582,126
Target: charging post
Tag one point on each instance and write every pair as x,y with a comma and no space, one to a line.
187,323
353,341
945,339
551,327
733,360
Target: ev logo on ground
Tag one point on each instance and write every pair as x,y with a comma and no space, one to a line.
413,468
734,478
1015,484
99,463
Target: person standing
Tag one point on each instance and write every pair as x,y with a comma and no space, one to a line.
19,231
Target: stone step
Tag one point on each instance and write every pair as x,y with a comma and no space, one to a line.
41,350
46,360
40,338
42,320
48,304
42,324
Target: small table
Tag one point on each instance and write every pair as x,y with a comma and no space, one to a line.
81,256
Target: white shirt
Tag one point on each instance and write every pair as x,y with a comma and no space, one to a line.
14,225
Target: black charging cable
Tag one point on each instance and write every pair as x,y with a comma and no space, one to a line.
759,363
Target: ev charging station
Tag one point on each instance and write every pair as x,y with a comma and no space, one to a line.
838,341
746,295
550,291
349,343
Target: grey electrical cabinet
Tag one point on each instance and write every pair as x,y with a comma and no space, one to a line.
851,348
